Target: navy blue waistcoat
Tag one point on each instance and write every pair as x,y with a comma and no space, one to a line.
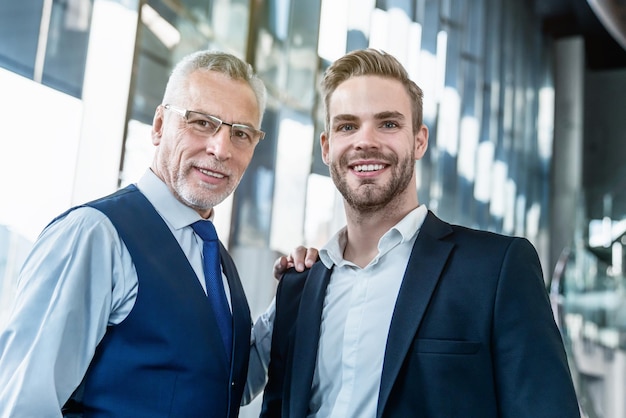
166,359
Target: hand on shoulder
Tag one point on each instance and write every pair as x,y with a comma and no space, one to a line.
301,258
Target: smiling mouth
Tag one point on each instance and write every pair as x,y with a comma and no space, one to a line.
211,173
366,168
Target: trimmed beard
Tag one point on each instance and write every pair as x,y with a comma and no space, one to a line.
369,197
200,200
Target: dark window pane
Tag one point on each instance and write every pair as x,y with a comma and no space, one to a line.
19,31
67,34
66,50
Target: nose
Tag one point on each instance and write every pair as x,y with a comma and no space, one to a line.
219,144
366,137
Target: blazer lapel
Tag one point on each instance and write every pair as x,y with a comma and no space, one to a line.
423,271
306,339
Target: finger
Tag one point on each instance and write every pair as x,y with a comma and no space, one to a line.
280,266
312,254
298,255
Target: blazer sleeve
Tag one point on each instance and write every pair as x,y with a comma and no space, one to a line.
288,295
529,350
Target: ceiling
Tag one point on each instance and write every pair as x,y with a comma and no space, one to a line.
602,23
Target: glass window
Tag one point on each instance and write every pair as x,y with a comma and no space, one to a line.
19,31
46,41
285,57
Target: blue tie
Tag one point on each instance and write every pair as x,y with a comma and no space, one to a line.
213,278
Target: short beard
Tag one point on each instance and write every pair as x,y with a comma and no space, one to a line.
202,197
369,198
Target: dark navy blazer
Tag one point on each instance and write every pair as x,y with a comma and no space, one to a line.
472,334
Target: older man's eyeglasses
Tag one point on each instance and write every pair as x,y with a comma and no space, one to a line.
242,136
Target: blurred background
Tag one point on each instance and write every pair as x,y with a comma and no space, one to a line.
525,102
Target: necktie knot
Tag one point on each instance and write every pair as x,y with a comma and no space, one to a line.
205,230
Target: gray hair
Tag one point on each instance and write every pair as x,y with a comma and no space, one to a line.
209,60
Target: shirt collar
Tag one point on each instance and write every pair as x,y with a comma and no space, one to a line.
405,230
176,214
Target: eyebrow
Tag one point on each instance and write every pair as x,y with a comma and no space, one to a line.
388,114
344,118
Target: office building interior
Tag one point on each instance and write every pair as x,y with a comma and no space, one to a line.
525,102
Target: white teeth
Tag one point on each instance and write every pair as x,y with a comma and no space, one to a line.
212,174
368,167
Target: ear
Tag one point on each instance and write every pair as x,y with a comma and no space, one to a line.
324,144
157,125
421,142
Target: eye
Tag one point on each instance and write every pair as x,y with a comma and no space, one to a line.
242,135
203,123
389,125
346,127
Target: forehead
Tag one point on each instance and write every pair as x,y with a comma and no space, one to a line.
363,95
216,93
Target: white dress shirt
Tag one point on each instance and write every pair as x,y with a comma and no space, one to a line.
357,312
78,279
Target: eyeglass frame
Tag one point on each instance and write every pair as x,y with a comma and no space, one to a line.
185,114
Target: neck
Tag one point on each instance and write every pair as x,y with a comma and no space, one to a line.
364,230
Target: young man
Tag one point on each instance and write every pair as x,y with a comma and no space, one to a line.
112,310
406,315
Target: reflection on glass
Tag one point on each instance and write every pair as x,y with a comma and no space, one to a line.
46,41
332,27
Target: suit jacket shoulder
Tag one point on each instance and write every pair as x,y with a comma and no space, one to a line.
299,302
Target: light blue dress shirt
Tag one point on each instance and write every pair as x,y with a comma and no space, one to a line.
78,279
356,316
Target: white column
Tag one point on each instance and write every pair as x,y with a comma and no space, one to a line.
569,76
105,98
